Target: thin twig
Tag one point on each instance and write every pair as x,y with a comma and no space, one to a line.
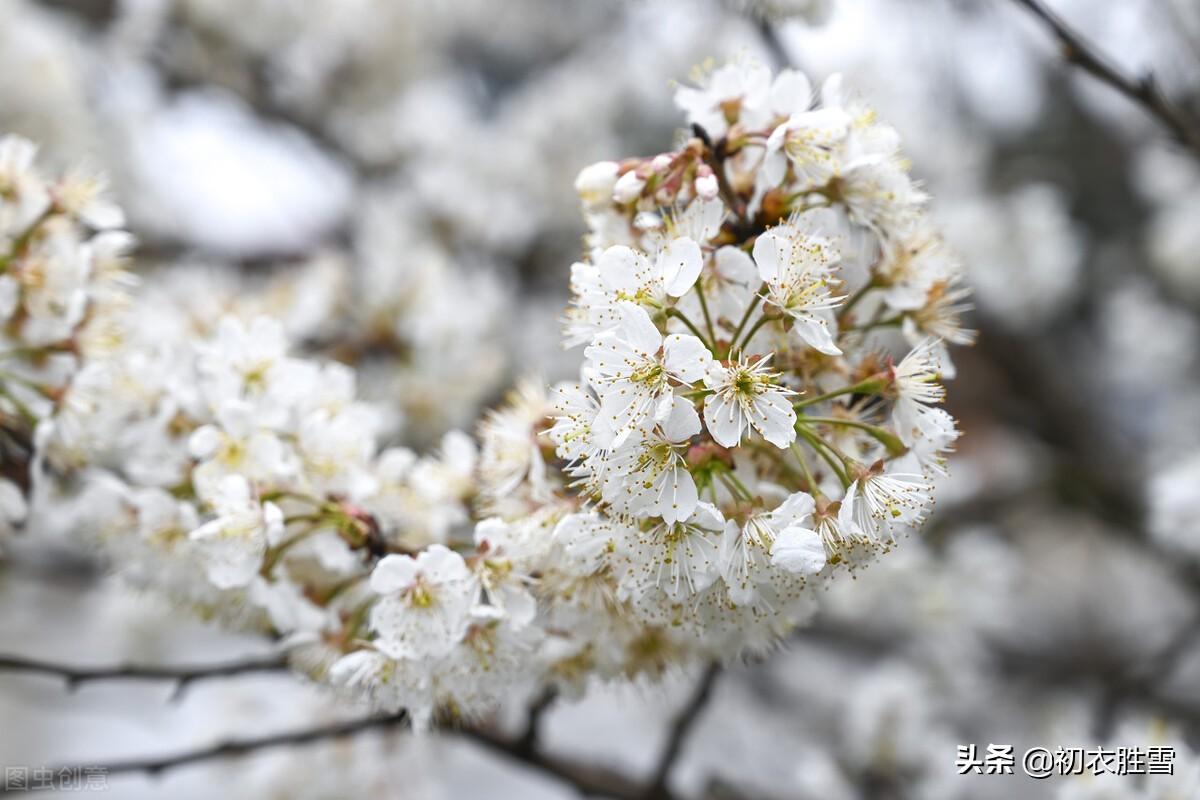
181,675
1144,91
155,766
679,732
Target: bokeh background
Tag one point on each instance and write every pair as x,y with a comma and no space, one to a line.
353,165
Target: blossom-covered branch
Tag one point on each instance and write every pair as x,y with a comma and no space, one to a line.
765,314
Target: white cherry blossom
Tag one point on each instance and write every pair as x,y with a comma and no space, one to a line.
425,602
746,394
231,546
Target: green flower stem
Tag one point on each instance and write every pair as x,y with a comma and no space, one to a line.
679,315
891,441
746,317
763,320
854,298
808,476
890,322
732,482
824,450
277,552
872,385
708,325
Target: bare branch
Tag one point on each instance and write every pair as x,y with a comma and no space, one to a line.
1143,91
587,780
182,675
238,747
529,739
680,730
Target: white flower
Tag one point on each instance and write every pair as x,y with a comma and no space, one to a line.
680,557
235,446
633,366
745,394
622,274
511,449
507,588
251,364
648,475
877,503
595,182
426,603
24,192
335,451
587,539
812,141
915,386
733,92
85,195
746,550
879,194
232,546
796,264
629,275
575,412
799,550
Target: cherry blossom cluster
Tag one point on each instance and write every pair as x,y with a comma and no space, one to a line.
764,314
62,281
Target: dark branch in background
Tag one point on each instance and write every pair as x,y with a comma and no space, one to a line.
528,742
1143,91
679,731
237,747
774,45
181,676
587,780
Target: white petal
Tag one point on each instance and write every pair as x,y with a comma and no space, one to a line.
791,92
735,266
771,254
686,357
677,495
724,420
799,550
682,423
623,269
815,334
679,264
795,509
637,329
442,564
393,573
772,415
707,516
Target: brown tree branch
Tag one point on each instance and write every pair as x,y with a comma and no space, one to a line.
1143,91
587,780
182,676
679,731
